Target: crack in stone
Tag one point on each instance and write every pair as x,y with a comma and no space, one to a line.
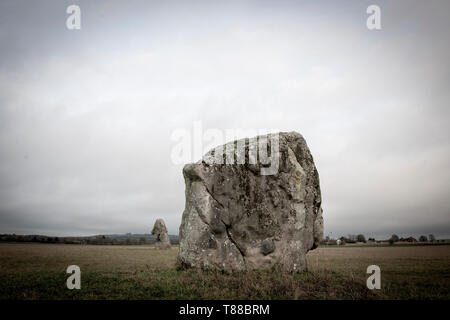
209,192
199,211
227,229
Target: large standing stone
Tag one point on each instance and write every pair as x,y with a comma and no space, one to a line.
236,218
160,232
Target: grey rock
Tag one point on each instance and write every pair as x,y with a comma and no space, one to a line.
237,218
161,234
267,246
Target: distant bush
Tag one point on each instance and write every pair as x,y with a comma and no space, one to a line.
328,242
361,238
351,238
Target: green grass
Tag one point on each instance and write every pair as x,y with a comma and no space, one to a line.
37,271
174,284
380,245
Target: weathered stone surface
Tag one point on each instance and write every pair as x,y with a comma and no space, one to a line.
238,219
160,232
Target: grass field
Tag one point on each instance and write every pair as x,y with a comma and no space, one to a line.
37,271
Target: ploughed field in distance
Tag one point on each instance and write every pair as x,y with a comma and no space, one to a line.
38,271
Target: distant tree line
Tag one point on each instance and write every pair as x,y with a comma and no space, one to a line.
28,238
96,240
360,238
351,238
431,238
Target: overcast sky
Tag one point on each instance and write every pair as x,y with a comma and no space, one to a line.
86,116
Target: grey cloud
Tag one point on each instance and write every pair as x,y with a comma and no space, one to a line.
86,116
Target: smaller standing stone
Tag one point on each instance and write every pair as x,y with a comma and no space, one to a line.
162,237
